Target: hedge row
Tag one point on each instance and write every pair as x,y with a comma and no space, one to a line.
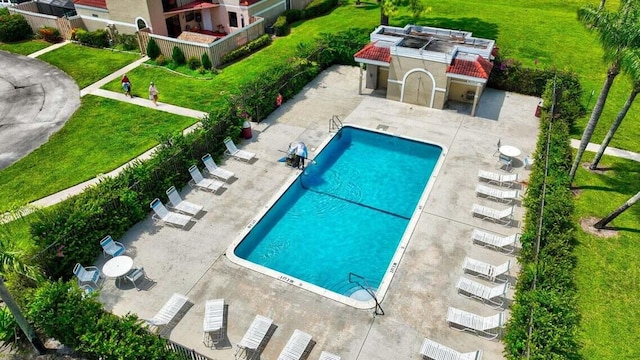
247,49
97,39
549,305
316,8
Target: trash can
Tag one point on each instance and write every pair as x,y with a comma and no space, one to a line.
246,130
538,109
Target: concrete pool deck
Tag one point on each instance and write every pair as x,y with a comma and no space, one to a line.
193,262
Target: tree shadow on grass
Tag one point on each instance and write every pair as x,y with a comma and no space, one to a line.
477,26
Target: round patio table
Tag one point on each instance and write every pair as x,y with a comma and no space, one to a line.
117,267
510,151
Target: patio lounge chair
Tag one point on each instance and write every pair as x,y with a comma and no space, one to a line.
213,323
237,154
500,216
253,338
176,203
216,171
111,247
499,179
506,244
199,182
168,217
482,269
89,275
169,310
296,346
492,296
329,356
435,351
485,326
506,196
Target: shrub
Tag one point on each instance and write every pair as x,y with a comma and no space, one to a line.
247,49
206,62
193,63
161,60
153,50
128,42
319,7
14,28
178,56
202,70
98,38
281,26
293,15
49,34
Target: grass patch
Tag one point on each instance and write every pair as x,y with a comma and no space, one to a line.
87,65
25,47
102,135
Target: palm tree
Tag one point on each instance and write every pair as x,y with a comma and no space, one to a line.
617,32
607,219
390,7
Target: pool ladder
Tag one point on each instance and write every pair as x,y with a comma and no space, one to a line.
334,123
378,309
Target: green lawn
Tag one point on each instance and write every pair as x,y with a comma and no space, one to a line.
607,274
24,47
102,135
87,65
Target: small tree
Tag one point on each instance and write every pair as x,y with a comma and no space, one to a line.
14,28
178,56
206,62
153,50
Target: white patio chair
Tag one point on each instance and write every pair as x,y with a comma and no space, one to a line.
492,296
329,356
177,203
111,247
436,351
506,196
198,181
252,339
134,275
236,153
489,327
296,346
499,216
505,244
499,179
482,269
168,217
213,323
505,162
89,275
216,171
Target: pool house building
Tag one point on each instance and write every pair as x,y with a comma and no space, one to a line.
426,66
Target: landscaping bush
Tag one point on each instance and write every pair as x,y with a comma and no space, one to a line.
161,60
14,28
281,26
206,62
247,49
292,15
49,34
153,50
128,42
319,7
98,38
178,56
193,63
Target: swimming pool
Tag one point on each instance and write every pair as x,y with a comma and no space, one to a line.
352,211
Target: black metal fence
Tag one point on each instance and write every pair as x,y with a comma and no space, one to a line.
184,352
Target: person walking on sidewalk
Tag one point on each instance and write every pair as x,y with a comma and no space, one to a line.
153,93
126,85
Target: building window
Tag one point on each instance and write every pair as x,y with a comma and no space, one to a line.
233,19
141,23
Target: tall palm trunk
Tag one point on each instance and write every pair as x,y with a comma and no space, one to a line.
614,126
20,320
601,4
607,219
595,116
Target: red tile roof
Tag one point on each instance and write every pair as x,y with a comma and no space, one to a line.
480,68
102,4
373,52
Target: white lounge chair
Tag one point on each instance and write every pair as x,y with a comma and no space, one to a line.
216,171
198,181
435,351
329,356
253,338
111,247
506,244
169,310
89,275
482,269
236,153
492,296
212,325
168,217
296,346
486,326
500,216
506,196
183,206
499,179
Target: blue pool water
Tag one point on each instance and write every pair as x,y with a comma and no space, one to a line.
346,213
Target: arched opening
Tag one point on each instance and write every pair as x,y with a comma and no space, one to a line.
420,89
141,23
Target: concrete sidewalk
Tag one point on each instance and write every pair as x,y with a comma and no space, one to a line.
575,143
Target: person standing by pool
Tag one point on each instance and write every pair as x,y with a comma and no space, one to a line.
126,85
153,93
